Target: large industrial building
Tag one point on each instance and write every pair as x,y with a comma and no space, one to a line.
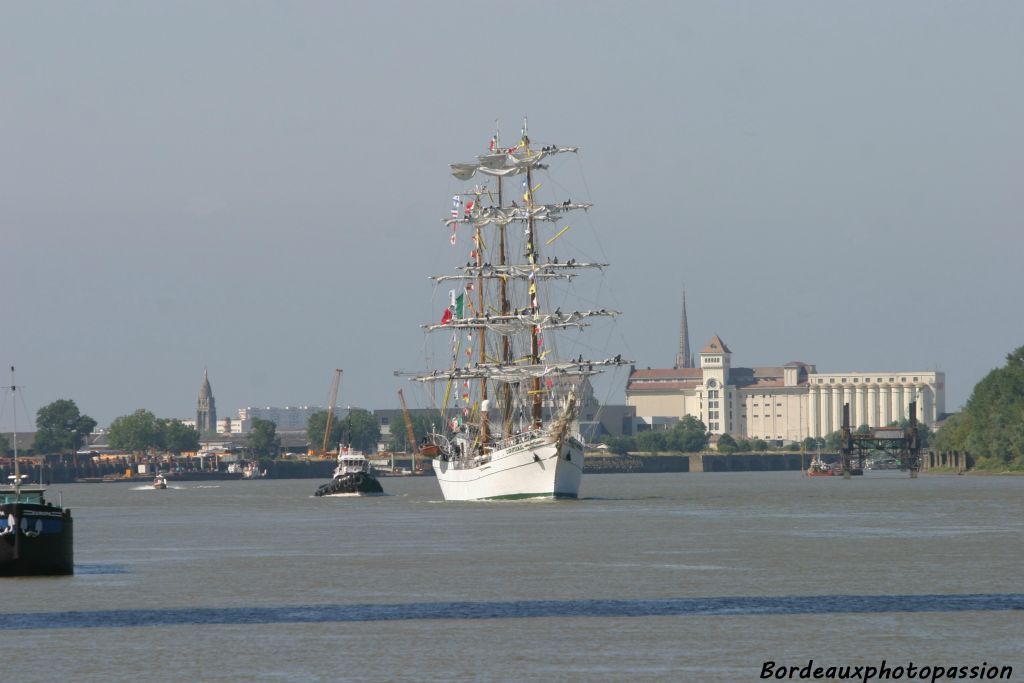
776,403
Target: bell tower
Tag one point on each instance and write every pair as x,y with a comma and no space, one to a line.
206,408
715,360
716,397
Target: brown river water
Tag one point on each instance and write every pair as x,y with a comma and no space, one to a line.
657,577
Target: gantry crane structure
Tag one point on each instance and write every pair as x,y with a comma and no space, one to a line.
330,412
414,448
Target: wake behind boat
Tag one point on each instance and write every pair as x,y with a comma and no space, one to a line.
504,353
36,536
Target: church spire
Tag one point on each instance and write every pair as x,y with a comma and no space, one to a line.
684,358
206,408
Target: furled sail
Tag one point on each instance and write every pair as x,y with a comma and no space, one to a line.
510,373
512,163
520,271
503,215
489,275
523,322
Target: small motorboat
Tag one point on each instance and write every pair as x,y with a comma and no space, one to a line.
159,482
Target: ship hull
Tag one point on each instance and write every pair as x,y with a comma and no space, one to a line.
40,542
534,469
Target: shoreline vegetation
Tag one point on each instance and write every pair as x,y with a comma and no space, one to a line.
991,425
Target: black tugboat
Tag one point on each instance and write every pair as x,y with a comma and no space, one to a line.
352,476
36,537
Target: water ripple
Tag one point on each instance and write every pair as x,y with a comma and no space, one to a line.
708,606
89,569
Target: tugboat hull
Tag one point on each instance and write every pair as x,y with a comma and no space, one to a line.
820,473
36,540
357,483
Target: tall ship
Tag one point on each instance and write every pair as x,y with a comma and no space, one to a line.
36,536
510,401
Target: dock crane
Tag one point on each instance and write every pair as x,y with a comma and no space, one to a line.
414,448
330,411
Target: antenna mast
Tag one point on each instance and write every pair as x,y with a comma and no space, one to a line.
14,406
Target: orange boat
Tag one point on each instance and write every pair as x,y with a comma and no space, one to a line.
819,469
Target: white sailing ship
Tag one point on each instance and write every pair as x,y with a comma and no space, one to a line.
511,405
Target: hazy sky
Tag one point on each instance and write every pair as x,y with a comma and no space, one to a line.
257,188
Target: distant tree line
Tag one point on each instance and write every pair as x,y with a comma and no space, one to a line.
689,435
263,441
421,426
358,430
60,428
991,425
143,431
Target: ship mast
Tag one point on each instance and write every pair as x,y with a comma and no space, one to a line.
534,301
506,343
484,435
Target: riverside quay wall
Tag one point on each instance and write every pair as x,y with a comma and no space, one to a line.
64,469
56,469
694,462
748,462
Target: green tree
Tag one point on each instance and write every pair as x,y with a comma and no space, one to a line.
924,435
924,432
263,440
726,444
743,446
651,441
5,445
758,445
315,430
61,428
360,430
689,435
812,444
832,440
420,427
953,434
179,437
991,426
138,432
